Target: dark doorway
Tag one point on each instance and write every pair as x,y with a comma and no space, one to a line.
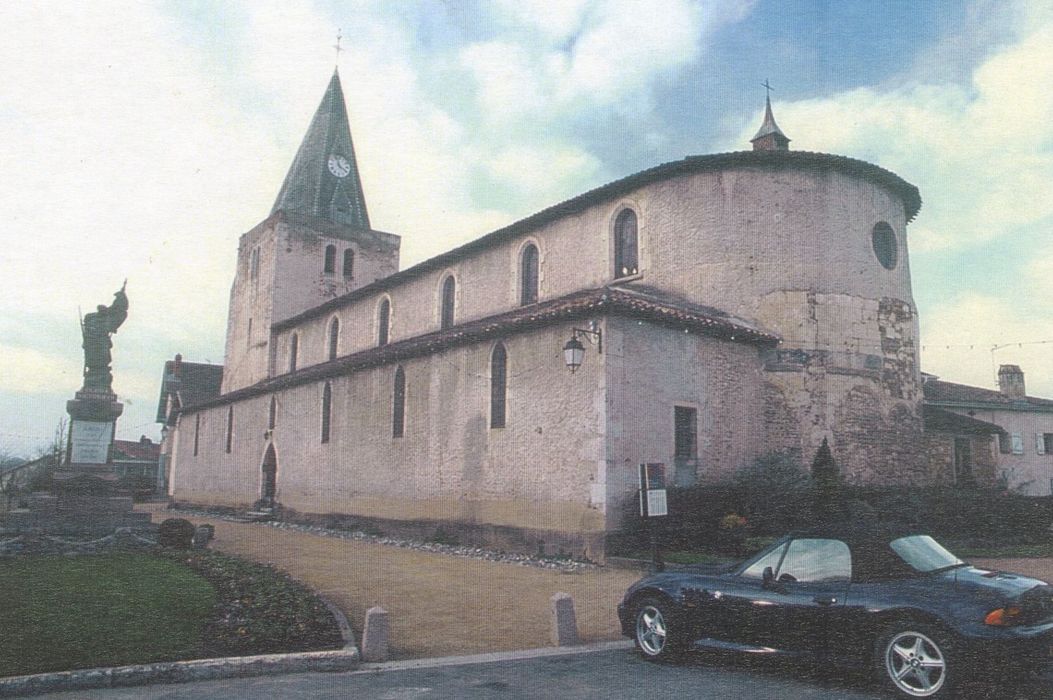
270,477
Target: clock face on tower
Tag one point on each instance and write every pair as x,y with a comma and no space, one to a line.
339,166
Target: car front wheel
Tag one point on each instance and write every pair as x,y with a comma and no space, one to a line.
654,632
915,662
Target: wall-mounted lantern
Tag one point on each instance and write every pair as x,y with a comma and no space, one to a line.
574,351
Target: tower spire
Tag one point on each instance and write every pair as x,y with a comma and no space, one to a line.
769,137
323,181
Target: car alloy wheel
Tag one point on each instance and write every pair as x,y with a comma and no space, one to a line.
651,630
915,664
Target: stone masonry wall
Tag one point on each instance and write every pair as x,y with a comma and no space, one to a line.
538,474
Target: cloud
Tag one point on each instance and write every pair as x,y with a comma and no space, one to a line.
965,340
981,153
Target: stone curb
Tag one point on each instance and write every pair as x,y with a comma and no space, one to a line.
346,659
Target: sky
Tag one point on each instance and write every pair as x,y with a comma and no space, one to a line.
140,140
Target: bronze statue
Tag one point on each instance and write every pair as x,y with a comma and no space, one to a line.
96,327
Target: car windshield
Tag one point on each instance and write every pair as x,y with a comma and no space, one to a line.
924,554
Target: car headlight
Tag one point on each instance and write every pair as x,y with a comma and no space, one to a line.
1004,617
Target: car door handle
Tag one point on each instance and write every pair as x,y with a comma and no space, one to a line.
825,600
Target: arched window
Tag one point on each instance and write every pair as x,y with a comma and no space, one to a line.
883,238
449,293
230,428
528,275
272,414
294,347
197,431
498,385
398,404
349,262
383,322
327,408
334,337
330,259
626,255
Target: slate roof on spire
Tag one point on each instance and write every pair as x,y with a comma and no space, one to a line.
770,137
323,181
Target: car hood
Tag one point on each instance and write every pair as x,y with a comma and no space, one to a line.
994,584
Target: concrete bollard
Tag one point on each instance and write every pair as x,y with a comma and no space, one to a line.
375,635
564,621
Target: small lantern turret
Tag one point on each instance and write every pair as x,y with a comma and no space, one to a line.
769,137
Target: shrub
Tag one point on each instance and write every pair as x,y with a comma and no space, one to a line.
176,532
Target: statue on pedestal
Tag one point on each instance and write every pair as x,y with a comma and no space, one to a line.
96,328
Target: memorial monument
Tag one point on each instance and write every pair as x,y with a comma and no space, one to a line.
85,498
93,412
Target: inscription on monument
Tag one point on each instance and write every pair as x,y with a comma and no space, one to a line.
90,441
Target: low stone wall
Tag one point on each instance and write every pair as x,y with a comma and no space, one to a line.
36,543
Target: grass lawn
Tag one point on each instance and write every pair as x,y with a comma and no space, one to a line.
58,613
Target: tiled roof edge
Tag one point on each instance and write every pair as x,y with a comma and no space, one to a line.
576,305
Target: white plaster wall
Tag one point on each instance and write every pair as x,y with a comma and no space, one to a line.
650,370
1029,473
538,472
751,241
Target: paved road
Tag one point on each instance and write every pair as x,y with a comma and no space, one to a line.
617,673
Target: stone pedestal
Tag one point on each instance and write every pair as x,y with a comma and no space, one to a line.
84,500
88,465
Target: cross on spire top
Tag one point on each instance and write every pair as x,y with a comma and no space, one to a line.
767,88
336,46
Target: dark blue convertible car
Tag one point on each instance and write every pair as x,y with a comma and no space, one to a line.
890,597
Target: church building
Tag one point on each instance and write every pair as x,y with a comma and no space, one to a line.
699,314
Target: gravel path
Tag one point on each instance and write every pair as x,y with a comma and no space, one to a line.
443,600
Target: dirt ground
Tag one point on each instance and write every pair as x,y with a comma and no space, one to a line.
443,605
439,605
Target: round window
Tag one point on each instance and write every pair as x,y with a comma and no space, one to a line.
884,240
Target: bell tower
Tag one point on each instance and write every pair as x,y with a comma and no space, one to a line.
316,244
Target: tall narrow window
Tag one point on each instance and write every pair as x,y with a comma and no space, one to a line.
528,276
349,262
197,431
254,263
449,294
230,428
294,347
685,438
398,404
327,409
383,322
330,259
626,260
963,462
248,334
272,414
334,337
498,385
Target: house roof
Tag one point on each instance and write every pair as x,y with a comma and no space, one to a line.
772,160
323,180
952,394
137,450
642,303
944,421
190,382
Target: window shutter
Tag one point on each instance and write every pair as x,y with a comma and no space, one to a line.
1040,443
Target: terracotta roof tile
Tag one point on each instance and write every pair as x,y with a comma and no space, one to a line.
637,303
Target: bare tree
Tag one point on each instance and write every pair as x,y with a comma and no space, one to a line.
55,449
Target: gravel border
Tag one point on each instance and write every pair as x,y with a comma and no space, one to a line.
551,563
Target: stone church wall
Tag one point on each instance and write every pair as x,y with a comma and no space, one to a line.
650,370
534,478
